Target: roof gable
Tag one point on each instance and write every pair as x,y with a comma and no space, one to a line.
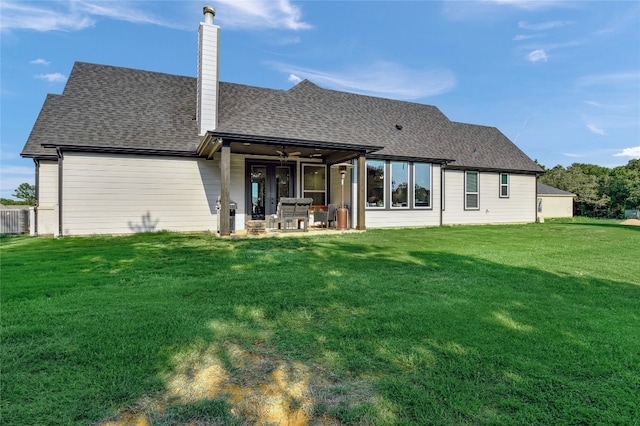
486,147
118,108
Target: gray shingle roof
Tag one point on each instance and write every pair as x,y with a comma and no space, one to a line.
543,189
119,108
308,112
113,108
47,123
486,147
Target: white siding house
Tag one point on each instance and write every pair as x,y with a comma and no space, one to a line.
120,194
156,152
518,207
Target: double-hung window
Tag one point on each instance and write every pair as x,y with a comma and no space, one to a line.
314,183
471,190
504,185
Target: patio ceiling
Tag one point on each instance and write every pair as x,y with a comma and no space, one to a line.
327,153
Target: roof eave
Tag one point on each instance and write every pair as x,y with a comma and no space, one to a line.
118,150
39,156
496,169
444,161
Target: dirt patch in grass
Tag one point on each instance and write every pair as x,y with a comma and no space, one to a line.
633,222
254,386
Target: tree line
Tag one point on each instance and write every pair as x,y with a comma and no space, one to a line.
600,191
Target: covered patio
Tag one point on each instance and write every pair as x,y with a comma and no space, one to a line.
274,160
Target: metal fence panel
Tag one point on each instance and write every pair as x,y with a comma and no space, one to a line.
14,221
632,214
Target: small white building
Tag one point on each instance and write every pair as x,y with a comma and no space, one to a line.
554,202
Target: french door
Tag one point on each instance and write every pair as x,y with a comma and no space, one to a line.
266,183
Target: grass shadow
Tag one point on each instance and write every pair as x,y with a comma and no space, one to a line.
357,329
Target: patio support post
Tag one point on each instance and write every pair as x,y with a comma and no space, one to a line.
225,183
361,191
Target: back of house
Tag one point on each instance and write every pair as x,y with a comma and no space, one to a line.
124,150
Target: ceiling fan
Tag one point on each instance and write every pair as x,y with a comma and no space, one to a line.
284,154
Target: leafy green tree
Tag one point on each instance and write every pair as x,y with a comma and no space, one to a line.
26,192
600,191
12,202
633,169
618,189
584,180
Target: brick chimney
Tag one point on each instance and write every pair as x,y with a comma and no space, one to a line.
208,46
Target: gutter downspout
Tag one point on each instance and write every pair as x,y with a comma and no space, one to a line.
60,158
352,197
536,199
35,208
442,167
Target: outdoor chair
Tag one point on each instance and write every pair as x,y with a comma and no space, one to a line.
326,217
291,211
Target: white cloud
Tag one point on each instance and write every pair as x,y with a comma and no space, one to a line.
17,170
540,52
384,79
277,14
491,10
633,152
40,61
10,183
537,55
521,37
543,25
55,77
595,104
71,15
609,106
525,4
294,78
594,129
123,11
21,16
12,176
614,79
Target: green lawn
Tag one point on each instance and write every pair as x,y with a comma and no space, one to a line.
500,325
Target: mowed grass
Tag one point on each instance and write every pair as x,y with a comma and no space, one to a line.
500,325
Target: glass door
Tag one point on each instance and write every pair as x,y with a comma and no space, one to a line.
267,183
258,193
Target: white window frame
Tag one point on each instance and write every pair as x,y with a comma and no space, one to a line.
430,206
324,191
504,185
467,192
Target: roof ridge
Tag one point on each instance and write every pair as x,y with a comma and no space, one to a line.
306,82
138,70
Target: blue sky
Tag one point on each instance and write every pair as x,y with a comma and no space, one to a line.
559,78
